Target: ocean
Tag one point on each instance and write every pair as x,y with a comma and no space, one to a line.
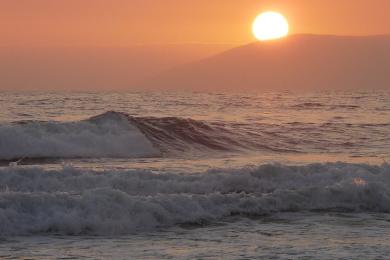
195,175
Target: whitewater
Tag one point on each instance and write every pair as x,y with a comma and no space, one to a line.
195,175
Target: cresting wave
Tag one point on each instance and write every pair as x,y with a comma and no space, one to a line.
110,135
118,135
72,201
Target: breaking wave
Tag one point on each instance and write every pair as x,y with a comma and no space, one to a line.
74,201
118,135
108,135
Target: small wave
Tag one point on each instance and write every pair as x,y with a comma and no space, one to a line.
72,201
310,105
349,107
316,105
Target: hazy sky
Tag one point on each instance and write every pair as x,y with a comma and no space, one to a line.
126,22
117,44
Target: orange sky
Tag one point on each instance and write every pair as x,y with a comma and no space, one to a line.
127,22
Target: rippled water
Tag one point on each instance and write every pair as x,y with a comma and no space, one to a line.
194,175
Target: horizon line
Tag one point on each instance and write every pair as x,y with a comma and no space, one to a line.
196,43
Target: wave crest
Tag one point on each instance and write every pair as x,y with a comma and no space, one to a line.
108,135
119,135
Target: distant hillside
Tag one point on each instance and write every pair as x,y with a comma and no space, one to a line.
295,62
93,68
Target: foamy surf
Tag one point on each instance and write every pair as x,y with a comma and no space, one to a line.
109,135
74,201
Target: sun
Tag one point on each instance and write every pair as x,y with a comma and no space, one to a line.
270,25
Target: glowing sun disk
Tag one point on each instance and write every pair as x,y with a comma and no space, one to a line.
270,25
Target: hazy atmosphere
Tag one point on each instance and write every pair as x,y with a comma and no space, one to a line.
125,45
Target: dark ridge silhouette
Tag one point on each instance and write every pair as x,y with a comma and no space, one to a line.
294,62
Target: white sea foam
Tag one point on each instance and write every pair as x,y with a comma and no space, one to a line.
72,201
110,135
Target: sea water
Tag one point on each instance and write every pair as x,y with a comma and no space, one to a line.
187,175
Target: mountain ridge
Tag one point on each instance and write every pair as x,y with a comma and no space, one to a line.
303,61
